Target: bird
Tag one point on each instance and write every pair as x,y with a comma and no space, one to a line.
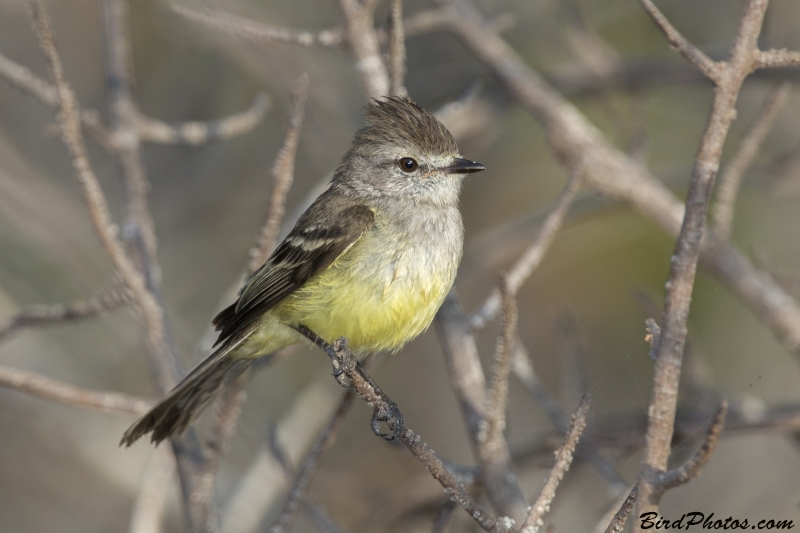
371,260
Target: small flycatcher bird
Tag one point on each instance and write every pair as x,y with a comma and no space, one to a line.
371,260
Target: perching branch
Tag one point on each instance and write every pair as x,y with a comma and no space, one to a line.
563,461
45,315
385,410
78,397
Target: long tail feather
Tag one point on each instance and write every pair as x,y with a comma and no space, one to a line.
170,417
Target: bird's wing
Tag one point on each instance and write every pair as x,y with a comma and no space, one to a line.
326,230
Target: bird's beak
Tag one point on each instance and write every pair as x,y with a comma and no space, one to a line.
463,166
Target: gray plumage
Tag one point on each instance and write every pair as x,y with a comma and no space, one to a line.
371,259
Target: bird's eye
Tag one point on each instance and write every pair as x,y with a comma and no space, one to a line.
408,164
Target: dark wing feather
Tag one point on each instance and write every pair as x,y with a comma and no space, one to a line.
328,228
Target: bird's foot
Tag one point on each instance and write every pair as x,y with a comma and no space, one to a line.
389,413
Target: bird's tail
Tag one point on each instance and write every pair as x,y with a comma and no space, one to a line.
170,416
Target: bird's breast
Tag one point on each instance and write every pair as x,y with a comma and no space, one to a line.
386,289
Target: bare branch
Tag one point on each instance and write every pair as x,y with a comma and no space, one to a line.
497,394
22,78
93,196
691,469
151,311
563,461
532,257
363,41
46,315
469,384
151,502
70,395
282,175
573,138
776,58
420,23
706,65
397,49
253,31
222,429
195,133
621,516
731,178
683,268
386,410
309,465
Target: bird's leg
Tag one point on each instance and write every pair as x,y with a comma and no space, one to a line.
348,372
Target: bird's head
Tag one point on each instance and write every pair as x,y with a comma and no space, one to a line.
404,152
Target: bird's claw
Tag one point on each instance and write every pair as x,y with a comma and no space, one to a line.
393,418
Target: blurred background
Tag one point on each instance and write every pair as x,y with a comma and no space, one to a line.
581,314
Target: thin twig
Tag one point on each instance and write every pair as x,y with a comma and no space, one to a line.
497,393
420,23
385,409
621,516
22,78
93,196
469,384
532,257
258,32
46,315
397,49
706,65
307,468
138,227
573,138
220,435
78,397
692,468
776,58
731,179
282,175
683,268
363,41
151,311
563,461
196,132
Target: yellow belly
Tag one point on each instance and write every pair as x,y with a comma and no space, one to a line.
378,304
